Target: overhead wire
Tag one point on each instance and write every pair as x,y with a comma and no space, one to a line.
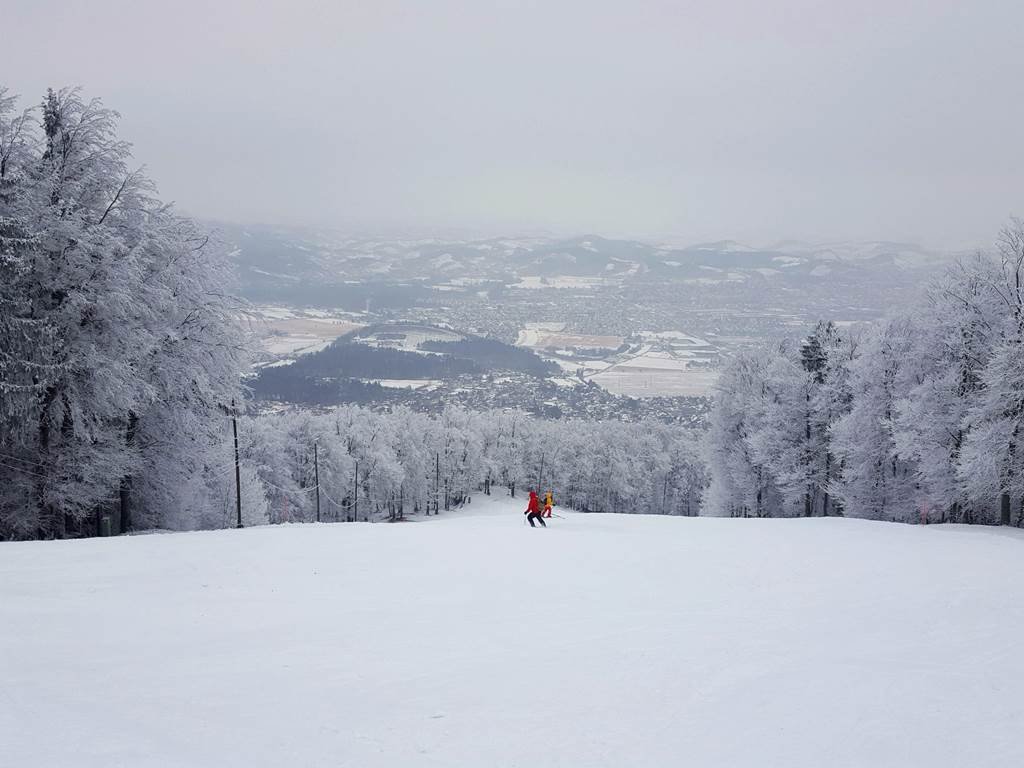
286,490
335,503
19,458
25,471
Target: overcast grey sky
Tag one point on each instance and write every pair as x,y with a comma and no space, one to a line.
745,119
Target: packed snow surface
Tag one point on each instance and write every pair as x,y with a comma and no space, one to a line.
474,640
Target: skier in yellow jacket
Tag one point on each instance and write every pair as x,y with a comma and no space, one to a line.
549,502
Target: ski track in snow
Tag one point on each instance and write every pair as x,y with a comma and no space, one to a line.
474,640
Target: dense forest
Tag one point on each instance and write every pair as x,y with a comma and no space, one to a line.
278,384
369,465
120,344
916,419
347,358
493,355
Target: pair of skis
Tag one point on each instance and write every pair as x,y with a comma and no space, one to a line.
526,519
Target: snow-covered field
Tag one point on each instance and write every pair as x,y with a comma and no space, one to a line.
296,344
473,640
541,338
636,380
288,331
408,337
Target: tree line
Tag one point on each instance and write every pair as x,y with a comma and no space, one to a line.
915,419
120,345
361,464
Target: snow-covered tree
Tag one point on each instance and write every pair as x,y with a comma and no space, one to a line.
992,460
877,481
918,419
377,466
741,485
118,338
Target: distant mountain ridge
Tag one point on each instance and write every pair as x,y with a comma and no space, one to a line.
320,266
289,252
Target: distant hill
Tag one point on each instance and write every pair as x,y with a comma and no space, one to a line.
324,268
347,370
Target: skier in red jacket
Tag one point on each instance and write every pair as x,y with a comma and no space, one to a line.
533,511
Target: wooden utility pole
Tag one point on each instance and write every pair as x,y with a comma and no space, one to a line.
238,474
316,478
355,495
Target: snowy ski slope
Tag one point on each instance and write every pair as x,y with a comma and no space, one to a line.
473,640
